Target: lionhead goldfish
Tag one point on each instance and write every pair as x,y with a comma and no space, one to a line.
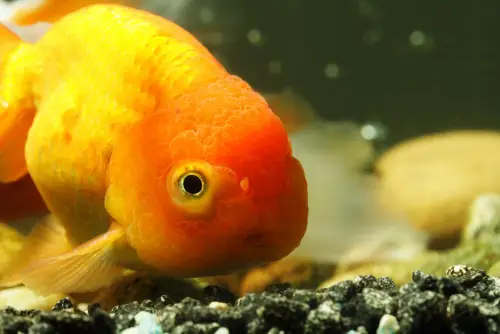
148,153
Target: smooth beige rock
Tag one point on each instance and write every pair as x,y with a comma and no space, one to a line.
22,298
433,180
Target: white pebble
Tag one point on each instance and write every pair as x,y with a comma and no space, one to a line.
388,325
218,305
254,36
222,330
458,270
332,71
146,324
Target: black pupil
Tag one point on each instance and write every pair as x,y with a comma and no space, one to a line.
192,184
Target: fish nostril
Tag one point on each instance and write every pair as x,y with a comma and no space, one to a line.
245,184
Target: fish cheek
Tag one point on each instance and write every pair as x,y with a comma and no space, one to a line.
281,221
294,207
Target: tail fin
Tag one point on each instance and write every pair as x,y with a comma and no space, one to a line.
47,239
16,106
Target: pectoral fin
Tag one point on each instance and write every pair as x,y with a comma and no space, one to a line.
88,267
46,240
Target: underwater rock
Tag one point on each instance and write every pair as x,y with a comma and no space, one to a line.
214,293
466,300
132,287
388,325
433,179
299,272
20,297
478,248
63,319
146,323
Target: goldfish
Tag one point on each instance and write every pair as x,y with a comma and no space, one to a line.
149,155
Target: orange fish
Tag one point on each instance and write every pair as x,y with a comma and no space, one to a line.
148,153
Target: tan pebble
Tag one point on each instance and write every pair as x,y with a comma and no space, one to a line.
84,307
218,305
494,271
484,219
397,271
433,180
22,298
290,270
458,270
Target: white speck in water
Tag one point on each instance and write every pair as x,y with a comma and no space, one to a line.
365,7
373,131
369,10
369,132
417,38
372,36
206,14
275,67
254,36
332,71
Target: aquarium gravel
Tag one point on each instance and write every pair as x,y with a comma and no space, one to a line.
465,300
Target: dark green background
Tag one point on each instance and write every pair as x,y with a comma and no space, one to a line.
451,84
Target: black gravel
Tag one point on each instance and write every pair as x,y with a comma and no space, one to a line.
466,300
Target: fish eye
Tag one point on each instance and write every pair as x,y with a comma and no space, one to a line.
192,184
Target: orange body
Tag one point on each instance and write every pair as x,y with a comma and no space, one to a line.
149,154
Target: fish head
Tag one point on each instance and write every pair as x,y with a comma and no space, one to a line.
208,185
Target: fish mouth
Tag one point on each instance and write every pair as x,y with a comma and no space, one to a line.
255,239
266,247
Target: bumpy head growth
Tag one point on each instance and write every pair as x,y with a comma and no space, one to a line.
208,184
